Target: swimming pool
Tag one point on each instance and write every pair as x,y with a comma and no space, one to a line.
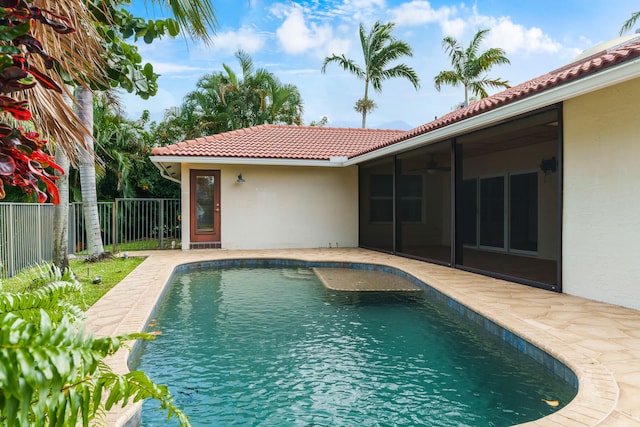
274,347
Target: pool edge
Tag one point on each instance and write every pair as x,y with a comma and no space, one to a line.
597,392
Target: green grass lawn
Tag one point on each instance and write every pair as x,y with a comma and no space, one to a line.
111,272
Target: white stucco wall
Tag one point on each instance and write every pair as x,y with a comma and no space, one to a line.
283,206
601,216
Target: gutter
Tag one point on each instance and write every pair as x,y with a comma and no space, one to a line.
163,171
332,162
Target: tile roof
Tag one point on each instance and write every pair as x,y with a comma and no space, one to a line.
282,142
320,143
571,72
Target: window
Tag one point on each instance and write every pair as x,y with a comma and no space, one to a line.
523,212
492,212
410,198
381,200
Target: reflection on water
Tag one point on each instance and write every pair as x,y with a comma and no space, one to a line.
273,347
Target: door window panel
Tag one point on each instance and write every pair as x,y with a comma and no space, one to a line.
205,213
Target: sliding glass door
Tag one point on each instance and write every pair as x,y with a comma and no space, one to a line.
501,212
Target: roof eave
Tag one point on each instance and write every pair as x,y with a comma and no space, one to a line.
591,83
162,161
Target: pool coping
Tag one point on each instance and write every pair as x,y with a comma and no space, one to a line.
131,304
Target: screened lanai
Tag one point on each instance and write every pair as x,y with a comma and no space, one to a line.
486,201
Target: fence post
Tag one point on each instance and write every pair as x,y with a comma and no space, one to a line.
12,249
71,230
39,215
161,221
114,226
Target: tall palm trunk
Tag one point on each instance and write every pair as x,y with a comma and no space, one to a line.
366,99
84,106
61,210
61,214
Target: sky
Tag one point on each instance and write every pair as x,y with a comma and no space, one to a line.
292,38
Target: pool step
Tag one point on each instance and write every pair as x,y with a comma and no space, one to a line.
298,274
346,279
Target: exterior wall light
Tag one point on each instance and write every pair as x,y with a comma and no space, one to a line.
240,178
549,165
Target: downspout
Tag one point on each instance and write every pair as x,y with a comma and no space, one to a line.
165,173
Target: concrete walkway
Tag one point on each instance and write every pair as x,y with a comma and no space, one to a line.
599,342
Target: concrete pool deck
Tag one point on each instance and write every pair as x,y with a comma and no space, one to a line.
599,342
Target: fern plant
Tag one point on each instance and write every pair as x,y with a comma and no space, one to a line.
52,371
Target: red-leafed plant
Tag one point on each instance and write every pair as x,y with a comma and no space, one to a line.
23,162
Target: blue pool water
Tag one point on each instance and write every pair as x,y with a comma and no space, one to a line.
273,347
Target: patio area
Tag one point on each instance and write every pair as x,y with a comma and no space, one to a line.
599,342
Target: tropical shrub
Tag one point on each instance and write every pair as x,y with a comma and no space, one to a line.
52,371
23,163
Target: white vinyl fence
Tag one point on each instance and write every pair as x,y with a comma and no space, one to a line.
26,229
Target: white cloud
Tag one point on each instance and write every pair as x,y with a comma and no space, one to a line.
359,10
516,38
297,36
167,69
455,22
245,38
454,27
419,12
335,46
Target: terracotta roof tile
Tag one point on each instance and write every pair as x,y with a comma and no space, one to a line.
282,142
320,143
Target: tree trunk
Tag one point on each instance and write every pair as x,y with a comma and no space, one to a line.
84,106
61,214
61,210
366,98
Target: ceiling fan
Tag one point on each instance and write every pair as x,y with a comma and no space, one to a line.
432,166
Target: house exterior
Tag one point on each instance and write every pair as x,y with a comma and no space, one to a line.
536,184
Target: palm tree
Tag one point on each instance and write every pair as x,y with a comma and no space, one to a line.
194,16
226,101
285,103
86,166
469,68
380,48
629,23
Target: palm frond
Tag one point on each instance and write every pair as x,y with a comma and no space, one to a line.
469,66
346,64
53,370
391,52
246,63
630,23
29,305
447,78
400,70
198,16
491,57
